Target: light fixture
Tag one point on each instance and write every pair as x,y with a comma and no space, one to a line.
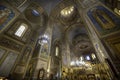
43,39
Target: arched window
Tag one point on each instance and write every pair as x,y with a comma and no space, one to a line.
56,51
35,13
21,30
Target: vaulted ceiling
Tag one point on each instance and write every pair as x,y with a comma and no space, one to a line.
48,5
67,25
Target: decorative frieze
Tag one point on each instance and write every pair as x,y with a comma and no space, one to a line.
10,44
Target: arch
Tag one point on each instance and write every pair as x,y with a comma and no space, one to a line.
36,14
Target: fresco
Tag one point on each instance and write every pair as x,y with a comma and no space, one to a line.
8,64
44,51
6,15
105,22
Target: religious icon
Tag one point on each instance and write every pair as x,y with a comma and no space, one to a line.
41,74
3,15
6,15
105,22
44,50
103,19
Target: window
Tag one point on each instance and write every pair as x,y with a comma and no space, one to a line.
67,11
21,30
57,51
87,57
35,12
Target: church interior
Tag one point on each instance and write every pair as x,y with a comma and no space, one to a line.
59,40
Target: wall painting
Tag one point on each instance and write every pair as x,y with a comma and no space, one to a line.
44,51
8,64
6,14
105,21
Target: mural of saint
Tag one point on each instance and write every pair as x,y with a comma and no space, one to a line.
103,19
5,15
44,49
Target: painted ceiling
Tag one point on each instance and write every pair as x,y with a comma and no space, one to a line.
71,28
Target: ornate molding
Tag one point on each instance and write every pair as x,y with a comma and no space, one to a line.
10,44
